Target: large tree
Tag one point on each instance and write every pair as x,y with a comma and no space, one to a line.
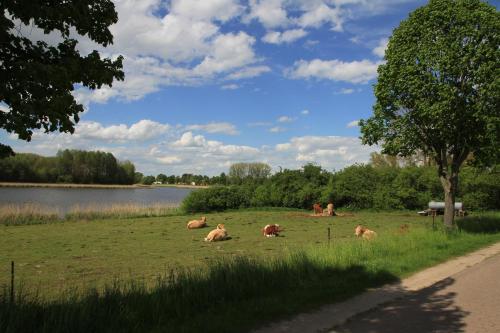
37,78
439,89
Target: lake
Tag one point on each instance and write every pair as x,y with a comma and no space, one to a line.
65,198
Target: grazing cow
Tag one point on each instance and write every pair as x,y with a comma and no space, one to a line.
195,224
272,230
403,229
317,209
218,234
330,210
365,233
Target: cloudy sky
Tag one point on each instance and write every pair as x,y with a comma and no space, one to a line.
214,82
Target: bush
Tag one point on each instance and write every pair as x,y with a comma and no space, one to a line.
480,224
217,198
357,186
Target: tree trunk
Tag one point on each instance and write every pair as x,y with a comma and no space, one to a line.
449,183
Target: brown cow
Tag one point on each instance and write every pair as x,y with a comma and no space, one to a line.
317,209
218,234
271,230
330,210
195,224
365,233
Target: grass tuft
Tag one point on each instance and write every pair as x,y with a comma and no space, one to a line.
26,214
29,213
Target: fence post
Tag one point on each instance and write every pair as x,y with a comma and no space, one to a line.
12,282
329,236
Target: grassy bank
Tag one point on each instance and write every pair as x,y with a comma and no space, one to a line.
27,214
67,185
179,283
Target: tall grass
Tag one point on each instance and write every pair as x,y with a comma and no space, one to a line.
235,294
120,211
21,214
29,213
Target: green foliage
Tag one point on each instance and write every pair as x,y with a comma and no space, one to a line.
439,88
217,198
249,172
162,178
486,223
480,188
148,180
38,78
356,187
5,151
68,166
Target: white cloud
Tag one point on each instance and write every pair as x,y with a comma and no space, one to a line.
189,140
225,128
189,153
381,47
169,160
141,131
346,91
221,10
271,13
354,123
304,112
354,72
286,119
327,151
283,146
172,43
229,51
277,129
231,86
319,14
248,72
288,36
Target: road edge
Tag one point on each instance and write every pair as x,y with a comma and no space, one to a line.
333,315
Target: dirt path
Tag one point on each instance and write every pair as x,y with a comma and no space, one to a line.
463,275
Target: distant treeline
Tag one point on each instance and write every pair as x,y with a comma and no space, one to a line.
238,174
68,166
358,186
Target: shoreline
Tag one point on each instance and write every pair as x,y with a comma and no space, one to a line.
65,185
182,186
101,186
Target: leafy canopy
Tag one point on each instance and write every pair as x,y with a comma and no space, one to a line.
439,89
36,79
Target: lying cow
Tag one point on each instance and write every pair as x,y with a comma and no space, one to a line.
330,210
272,230
218,234
317,209
365,233
196,224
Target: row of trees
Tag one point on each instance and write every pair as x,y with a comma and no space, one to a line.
239,173
68,166
357,186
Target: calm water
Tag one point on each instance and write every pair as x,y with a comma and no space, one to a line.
65,198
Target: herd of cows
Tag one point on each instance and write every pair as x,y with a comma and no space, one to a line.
273,230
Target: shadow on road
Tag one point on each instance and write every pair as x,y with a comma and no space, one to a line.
429,310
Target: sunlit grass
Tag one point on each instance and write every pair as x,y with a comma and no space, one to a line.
29,213
152,274
121,211
19,214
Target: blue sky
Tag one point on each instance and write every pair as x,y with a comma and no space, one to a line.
214,82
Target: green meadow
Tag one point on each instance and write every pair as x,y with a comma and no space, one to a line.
152,274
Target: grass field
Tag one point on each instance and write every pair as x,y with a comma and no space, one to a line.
178,281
